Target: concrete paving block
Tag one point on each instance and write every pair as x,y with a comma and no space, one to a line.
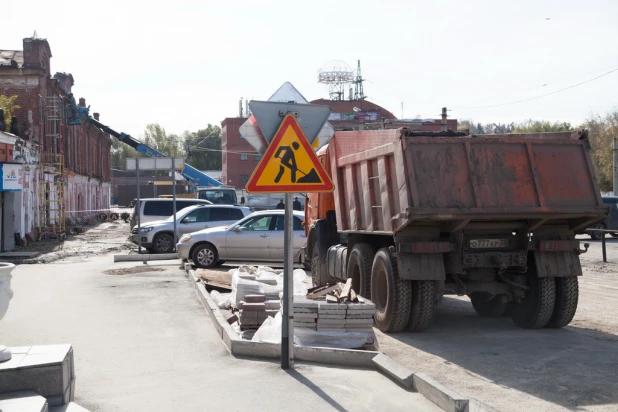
273,304
346,357
321,316
359,322
254,307
305,310
248,314
359,316
305,303
445,398
331,321
337,312
305,316
255,298
394,370
361,306
22,401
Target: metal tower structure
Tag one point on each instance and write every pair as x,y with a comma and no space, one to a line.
359,94
336,79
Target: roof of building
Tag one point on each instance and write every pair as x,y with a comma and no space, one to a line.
361,106
12,58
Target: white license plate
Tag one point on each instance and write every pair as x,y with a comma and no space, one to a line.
488,243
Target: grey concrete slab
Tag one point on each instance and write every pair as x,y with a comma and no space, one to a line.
143,342
19,255
22,401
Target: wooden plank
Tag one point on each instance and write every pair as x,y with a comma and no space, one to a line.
346,288
323,291
385,194
367,194
535,175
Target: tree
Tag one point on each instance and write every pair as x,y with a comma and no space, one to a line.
156,137
499,128
602,131
538,126
8,104
203,148
467,125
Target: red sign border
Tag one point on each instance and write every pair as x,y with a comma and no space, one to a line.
289,121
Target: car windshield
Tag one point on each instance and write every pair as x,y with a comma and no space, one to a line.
218,196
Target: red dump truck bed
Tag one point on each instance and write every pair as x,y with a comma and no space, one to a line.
387,179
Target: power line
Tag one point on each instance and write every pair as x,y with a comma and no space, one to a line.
540,96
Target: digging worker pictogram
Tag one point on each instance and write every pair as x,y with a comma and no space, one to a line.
288,159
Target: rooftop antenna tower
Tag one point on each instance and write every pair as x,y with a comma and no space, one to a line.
336,76
359,93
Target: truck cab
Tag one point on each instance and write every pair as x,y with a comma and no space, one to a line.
220,195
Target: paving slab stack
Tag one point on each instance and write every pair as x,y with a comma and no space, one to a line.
255,309
323,316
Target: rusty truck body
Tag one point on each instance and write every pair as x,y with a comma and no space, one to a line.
416,215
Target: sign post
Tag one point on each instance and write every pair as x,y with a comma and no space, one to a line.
289,165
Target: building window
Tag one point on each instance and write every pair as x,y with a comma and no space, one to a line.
243,156
244,178
257,157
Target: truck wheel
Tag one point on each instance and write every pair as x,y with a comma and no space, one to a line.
163,243
487,306
536,309
391,295
360,261
423,305
567,294
315,266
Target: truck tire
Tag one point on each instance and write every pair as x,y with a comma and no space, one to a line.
597,234
536,309
360,261
423,305
315,266
490,307
391,295
567,295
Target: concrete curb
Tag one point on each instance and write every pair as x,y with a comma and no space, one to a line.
445,398
145,257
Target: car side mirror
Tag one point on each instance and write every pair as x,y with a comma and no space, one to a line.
185,220
236,229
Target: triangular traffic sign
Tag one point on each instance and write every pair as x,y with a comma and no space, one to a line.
289,164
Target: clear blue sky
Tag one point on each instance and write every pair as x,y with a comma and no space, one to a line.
186,63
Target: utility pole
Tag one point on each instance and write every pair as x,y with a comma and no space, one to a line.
615,188
444,127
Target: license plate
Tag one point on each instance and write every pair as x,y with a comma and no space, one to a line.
488,243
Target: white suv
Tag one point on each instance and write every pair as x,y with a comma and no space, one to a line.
157,236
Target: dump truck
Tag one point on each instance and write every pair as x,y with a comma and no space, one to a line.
418,215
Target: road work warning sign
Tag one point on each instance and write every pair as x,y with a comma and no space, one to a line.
289,164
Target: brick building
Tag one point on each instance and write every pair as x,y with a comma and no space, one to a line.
239,158
66,168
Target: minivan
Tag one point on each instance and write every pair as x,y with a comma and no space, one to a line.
159,209
610,222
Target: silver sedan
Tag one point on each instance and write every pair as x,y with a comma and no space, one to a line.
258,237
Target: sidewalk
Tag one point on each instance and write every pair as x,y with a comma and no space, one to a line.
143,342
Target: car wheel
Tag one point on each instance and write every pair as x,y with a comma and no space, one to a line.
163,243
205,256
596,234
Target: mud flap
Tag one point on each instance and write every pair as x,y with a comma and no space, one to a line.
417,266
557,264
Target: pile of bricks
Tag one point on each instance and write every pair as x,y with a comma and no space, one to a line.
255,309
324,316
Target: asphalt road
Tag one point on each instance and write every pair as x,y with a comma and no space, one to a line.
143,342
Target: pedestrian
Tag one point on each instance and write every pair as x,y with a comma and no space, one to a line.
281,205
242,200
296,204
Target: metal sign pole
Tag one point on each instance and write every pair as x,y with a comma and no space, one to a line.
287,330
139,211
174,197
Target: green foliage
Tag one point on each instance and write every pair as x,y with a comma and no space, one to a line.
8,104
203,148
540,126
602,131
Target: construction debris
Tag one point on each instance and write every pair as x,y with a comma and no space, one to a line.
337,293
254,310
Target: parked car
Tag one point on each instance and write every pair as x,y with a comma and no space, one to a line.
258,237
159,209
158,236
611,221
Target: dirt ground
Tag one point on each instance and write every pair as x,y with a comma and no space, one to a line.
512,369
101,238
